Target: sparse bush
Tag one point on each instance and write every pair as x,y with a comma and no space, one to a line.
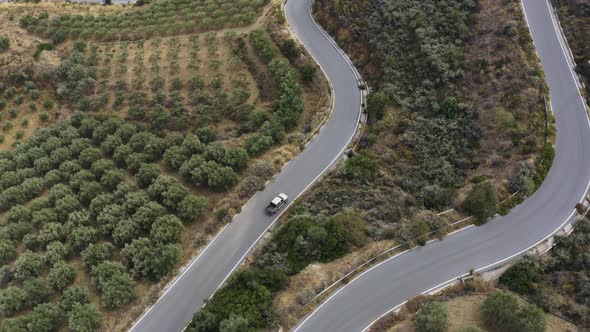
43,116
419,230
250,185
4,43
521,181
48,104
308,72
510,28
263,170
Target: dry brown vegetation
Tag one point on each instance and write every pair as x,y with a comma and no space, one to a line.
505,81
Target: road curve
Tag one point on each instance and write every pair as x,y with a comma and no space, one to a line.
389,284
212,267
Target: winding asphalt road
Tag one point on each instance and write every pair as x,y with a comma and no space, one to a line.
212,267
389,284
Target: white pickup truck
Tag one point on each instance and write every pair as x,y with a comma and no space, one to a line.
276,204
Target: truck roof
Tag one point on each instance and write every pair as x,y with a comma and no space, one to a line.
276,200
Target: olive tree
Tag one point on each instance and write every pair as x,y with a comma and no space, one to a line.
61,275
28,266
7,251
56,251
126,231
45,317
37,290
115,285
150,261
166,229
12,300
74,295
82,236
146,174
96,253
193,208
84,318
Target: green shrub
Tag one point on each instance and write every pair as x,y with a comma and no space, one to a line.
419,230
43,117
264,46
521,277
19,99
432,317
304,241
544,165
40,48
361,168
59,36
247,294
481,202
531,319
290,49
48,104
34,94
308,72
500,310
502,313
